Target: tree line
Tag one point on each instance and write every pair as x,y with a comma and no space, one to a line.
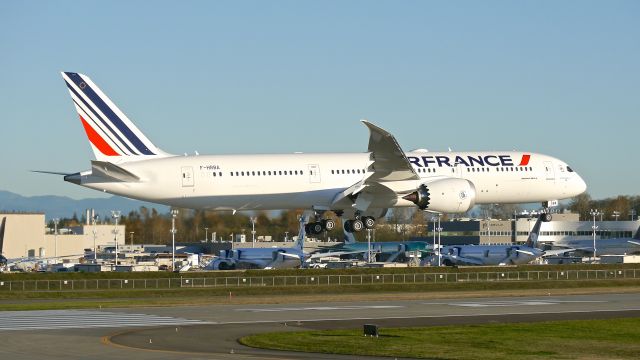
151,227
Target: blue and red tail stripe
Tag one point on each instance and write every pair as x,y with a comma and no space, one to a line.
113,118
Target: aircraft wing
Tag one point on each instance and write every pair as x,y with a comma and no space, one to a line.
387,165
459,259
557,252
320,255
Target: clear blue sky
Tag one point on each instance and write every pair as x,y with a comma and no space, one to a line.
556,77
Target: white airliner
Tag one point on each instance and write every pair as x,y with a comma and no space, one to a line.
360,186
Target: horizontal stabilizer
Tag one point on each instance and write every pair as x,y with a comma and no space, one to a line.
113,172
51,172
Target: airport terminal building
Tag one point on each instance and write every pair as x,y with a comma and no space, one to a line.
562,227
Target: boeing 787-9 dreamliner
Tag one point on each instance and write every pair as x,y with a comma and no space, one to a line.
360,186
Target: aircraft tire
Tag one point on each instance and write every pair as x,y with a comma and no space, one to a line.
369,222
357,225
328,224
348,226
547,217
316,228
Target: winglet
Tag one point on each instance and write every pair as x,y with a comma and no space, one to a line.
390,162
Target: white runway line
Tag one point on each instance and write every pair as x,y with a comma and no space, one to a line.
70,319
520,303
322,308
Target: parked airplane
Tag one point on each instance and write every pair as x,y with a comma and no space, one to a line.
387,251
615,246
263,258
493,254
361,186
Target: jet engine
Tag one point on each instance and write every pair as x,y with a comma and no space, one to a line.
445,196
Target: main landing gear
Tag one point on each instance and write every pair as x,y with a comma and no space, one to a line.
317,227
359,223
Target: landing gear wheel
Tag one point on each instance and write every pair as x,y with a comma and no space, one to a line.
357,225
316,228
547,217
328,224
348,226
369,222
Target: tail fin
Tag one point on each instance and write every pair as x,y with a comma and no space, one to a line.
301,234
532,240
113,137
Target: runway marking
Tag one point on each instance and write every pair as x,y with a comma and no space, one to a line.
70,319
519,303
322,308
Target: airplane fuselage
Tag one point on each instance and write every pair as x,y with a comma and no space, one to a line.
299,181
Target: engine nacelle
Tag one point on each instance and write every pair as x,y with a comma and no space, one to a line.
445,196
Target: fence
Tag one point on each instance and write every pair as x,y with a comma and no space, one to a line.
314,280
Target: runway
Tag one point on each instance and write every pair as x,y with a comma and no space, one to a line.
210,332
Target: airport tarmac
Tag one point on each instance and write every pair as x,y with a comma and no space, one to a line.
210,332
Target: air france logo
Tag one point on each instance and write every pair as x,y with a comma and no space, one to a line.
468,160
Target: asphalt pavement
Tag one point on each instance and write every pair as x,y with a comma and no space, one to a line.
211,331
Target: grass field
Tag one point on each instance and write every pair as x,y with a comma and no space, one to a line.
579,339
193,296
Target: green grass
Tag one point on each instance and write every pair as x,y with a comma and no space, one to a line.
31,300
579,339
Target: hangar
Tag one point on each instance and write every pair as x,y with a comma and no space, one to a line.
26,235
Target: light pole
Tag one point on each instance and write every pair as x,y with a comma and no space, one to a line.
115,214
368,245
56,221
616,214
94,220
439,245
174,213
434,219
253,220
594,213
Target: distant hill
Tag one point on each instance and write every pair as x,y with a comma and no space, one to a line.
64,207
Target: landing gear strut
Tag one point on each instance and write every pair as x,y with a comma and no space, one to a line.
546,213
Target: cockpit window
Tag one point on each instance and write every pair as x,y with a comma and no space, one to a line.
569,169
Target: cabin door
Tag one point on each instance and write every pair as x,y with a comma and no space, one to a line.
314,173
187,176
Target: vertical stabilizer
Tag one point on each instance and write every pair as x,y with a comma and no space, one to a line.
113,137
301,234
532,240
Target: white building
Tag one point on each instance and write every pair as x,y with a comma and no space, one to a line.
25,235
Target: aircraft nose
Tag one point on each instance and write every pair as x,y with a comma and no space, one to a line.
579,185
